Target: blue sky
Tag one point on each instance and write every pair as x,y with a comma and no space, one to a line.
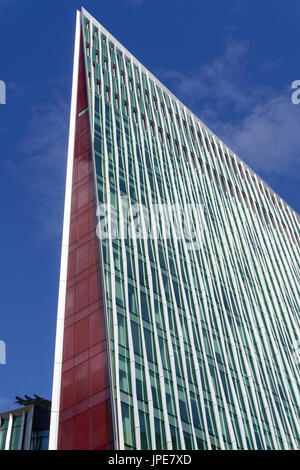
232,62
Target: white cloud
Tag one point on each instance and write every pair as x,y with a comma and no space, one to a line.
4,402
223,81
41,168
268,138
260,123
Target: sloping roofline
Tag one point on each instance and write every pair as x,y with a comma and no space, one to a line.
188,111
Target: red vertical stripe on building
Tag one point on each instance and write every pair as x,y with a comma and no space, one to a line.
85,404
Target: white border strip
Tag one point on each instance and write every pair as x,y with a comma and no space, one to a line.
56,390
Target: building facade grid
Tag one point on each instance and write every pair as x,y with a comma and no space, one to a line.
203,339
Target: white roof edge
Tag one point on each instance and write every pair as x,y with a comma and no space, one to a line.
16,411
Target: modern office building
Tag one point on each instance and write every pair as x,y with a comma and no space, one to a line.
26,427
178,312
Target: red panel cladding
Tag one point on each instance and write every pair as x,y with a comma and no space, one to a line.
85,406
81,431
100,427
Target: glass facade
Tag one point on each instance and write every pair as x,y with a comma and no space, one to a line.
15,434
26,428
202,315
39,440
3,432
